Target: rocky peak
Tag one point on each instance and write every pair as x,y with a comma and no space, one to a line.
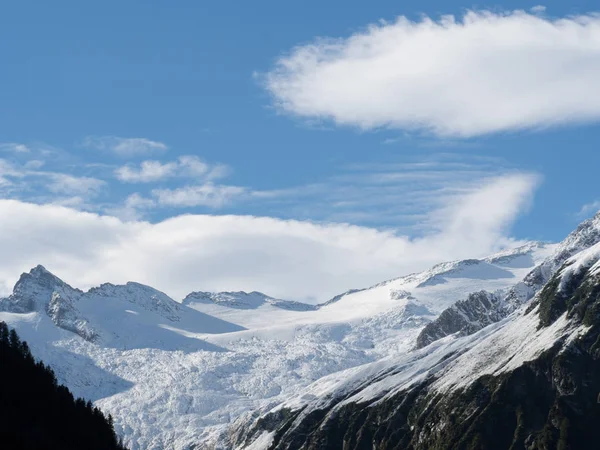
586,235
33,291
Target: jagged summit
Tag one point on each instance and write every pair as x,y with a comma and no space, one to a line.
42,275
33,291
584,236
129,315
39,269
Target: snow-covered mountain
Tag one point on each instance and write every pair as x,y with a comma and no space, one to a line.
525,379
232,369
122,317
178,375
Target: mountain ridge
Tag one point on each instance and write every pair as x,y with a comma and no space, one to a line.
466,389
197,378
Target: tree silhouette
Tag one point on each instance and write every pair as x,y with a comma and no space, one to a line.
38,413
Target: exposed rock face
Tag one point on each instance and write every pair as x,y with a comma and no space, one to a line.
39,290
66,316
34,291
479,310
548,402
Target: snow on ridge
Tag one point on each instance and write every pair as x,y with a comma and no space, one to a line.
457,266
244,300
588,259
141,295
527,248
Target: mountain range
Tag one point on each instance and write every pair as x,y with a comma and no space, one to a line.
496,352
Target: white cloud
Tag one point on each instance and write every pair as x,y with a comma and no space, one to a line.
137,201
493,207
285,258
126,147
27,181
34,164
61,183
588,209
148,171
133,208
186,166
8,171
14,147
399,193
208,194
483,73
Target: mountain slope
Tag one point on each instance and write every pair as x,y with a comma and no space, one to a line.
484,308
527,381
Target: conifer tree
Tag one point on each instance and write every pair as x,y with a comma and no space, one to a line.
38,413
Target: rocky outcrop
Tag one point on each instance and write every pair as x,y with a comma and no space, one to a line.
66,316
34,291
479,310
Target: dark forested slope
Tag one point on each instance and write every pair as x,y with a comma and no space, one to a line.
38,413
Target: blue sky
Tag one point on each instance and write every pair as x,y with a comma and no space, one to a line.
147,111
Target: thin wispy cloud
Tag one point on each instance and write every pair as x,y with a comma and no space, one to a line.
208,194
34,164
125,147
484,72
61,183
379,194
400,193
14,147
588,209
148,171
188,166
134,208
27,181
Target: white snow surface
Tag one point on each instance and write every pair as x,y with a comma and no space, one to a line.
174,375
588,259
455,362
